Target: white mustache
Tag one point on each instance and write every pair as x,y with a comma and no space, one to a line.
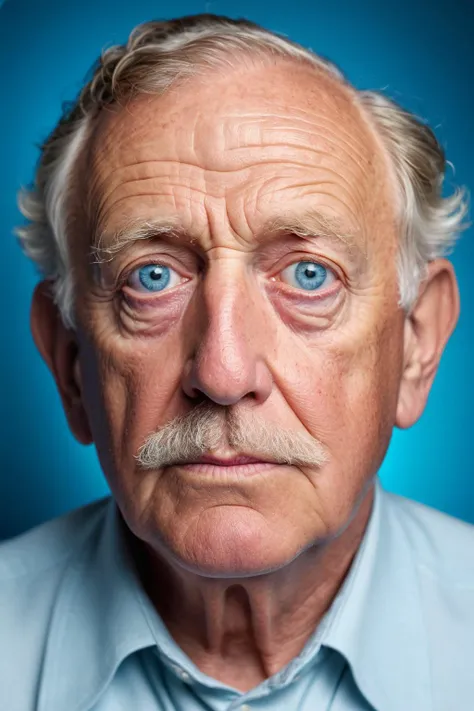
189,436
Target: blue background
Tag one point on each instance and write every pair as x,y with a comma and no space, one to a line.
420,51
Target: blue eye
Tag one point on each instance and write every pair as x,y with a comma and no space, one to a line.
308,275
152,277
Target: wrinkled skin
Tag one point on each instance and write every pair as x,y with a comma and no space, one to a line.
223,157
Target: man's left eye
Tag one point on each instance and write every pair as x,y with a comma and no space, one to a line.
153,277
308,275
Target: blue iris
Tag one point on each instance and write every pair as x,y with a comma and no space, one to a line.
310,275
154,277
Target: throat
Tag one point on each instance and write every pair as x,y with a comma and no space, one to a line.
237,645
234,628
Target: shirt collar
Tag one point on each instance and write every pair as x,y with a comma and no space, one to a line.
102,616
97,621
378,626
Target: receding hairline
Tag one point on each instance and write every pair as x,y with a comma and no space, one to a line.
101,124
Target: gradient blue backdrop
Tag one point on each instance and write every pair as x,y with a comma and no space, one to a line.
420,51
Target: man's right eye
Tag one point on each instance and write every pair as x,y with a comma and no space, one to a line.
153,278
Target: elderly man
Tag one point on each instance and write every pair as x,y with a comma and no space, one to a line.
244,292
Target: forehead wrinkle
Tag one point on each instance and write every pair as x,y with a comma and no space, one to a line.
316,158
334,140
171,176
126,236
230,135
103,196
352,192
109,203
351,166
336,136
307,123
343,105
105,205
208,167
353,162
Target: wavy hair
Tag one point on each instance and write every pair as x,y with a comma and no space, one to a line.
158,54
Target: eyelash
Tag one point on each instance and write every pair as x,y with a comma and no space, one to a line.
125,277
159,261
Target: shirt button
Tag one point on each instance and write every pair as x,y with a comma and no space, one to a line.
184,676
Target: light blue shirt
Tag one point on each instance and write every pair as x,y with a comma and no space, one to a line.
78,633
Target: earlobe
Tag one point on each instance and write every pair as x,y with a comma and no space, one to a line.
427,330
58,347
410,405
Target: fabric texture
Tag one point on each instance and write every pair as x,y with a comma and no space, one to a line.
78,632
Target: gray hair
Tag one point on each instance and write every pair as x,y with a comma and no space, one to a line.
208,425
158,54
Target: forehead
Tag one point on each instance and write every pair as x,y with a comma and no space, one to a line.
260,140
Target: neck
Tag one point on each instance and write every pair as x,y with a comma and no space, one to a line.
241,631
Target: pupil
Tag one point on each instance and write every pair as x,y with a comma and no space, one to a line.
156,274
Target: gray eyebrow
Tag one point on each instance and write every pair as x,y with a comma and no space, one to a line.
107,244
310,224
314,224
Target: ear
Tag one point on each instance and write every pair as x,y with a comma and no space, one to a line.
427,330
57,344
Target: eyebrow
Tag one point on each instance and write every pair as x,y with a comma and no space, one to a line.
309,225
314,224
107,244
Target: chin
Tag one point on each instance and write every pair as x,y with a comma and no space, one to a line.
237,547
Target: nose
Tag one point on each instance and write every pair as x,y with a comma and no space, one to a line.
231,341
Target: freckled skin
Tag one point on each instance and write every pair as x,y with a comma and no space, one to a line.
224,155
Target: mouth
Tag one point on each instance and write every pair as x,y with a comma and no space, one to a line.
236,460
235,466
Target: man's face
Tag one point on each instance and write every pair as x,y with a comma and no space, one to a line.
246,306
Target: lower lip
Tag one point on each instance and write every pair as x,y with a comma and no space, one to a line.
233,470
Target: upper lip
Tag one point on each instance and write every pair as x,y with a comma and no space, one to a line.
229,461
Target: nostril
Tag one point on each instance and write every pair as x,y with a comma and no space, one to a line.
196,397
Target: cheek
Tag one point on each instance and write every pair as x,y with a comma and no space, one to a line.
335,390
345,394
129,390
